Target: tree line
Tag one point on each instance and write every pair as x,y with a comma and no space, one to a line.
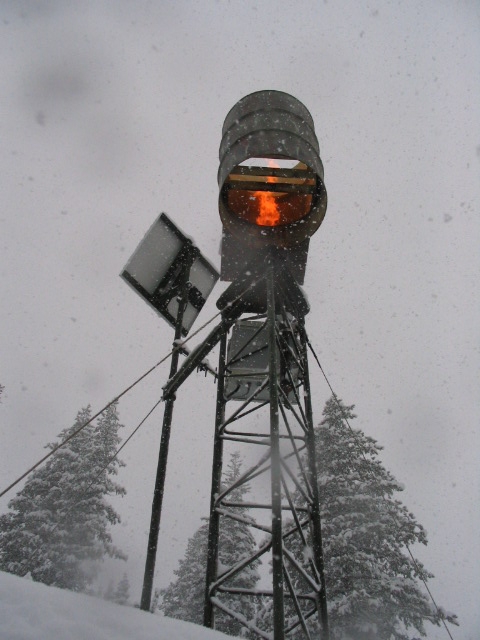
373,584
58,530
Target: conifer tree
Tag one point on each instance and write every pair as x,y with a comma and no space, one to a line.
122,592
156,600
109,593
58,525
372,581
184,598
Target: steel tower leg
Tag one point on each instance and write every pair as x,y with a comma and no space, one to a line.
276,472
162,464
312,469
212,554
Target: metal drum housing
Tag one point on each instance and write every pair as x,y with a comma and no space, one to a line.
270,175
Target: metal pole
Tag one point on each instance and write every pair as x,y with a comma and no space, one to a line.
213,531
200,353
277,540
312,470
162,461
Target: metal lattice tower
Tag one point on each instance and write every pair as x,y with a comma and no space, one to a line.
288,519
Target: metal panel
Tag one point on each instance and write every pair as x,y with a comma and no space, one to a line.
247,366
247,361
158,266
238,259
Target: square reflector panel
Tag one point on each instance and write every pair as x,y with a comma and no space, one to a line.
158,268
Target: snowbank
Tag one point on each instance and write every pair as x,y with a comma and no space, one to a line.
33,611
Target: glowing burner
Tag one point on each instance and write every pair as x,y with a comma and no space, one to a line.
290,200
268,215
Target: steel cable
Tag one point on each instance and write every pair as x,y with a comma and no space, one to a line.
104,468
178,346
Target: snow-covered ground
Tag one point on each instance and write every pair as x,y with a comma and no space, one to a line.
32,611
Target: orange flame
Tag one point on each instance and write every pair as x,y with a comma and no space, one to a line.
268,213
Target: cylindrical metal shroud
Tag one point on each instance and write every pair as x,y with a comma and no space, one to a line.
271,124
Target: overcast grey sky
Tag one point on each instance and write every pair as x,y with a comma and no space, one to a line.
112,113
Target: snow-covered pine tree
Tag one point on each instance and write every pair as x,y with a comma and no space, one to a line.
57,527
184,597
373,584
122,592
156,599
109,593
